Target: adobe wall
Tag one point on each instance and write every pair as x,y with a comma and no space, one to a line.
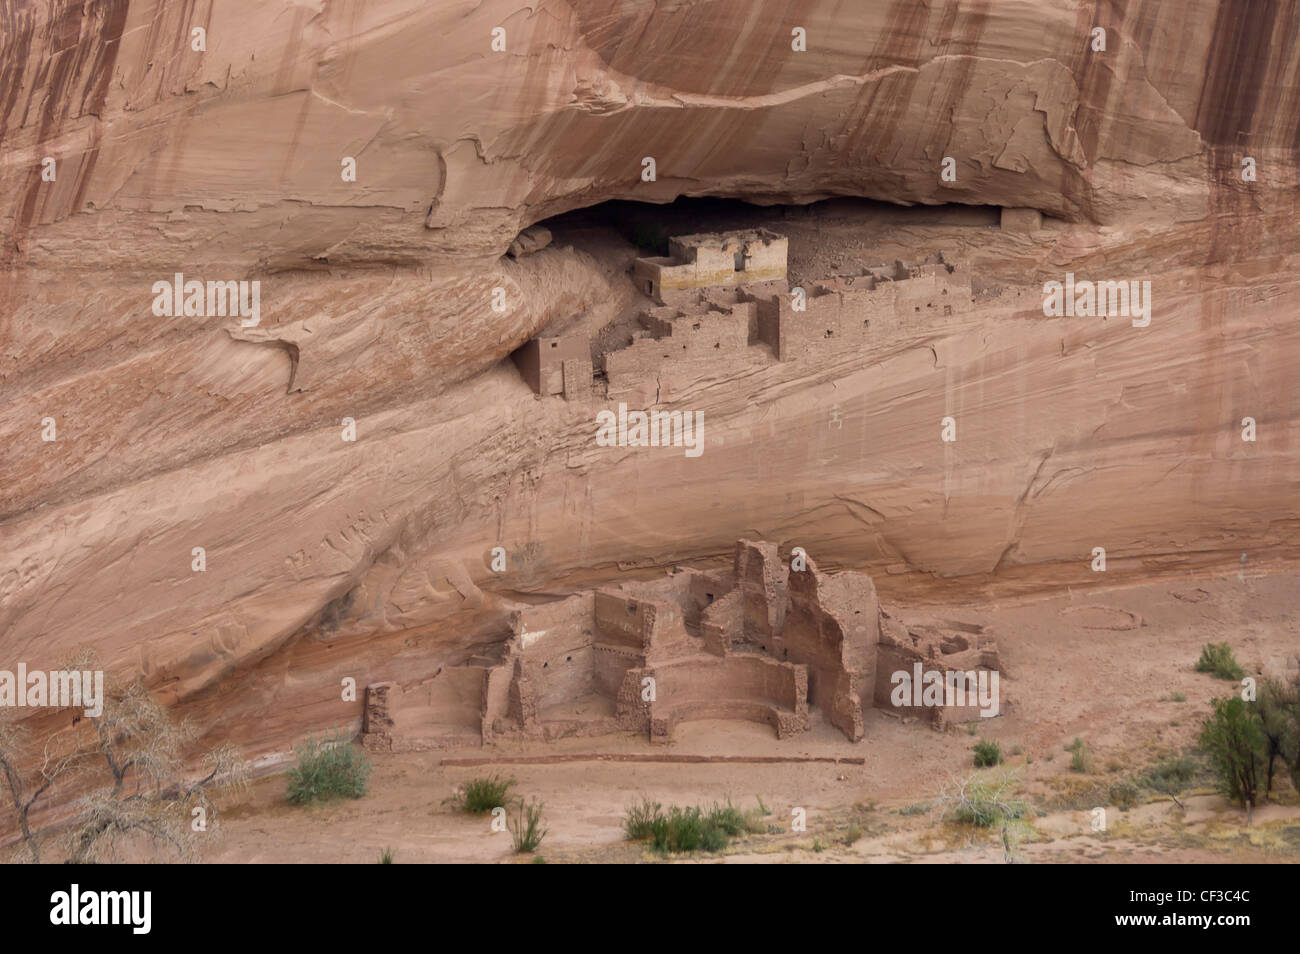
704,591
573,613
833,627
901,649
843,313
445,710
764,643
751,687
625,620
690,592
689,336
761,575
935,290
561,667
610,666
833,319
722,624
740,676
704,333
541,361
496,701
712,259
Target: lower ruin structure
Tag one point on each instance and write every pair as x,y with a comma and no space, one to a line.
773,641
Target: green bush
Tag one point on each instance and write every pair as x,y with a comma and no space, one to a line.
1277,710
987,752
332,768
1081,759
1234,742
386,857
480,795
1217,658
1124,794
1170,776
526,831
638,821
729,818
686,829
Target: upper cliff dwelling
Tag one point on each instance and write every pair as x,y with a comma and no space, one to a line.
753,294
580,406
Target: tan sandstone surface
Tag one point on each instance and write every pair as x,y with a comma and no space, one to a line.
329,559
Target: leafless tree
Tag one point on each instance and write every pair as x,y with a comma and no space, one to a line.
131,757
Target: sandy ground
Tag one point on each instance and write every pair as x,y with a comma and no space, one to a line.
1106,666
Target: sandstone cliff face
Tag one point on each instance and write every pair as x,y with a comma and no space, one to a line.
370,559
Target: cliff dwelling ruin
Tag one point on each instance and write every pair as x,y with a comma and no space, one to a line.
724,299
764,642
714,380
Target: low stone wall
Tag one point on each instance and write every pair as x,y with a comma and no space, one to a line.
443,711
750,687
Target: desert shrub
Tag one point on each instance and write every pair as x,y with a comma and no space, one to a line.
985,804
1217,659
1171,775
920,808
729,818
1177,697
1277,709
686,829
333,768
526,831
680,829
987,752
480,795
1081,759
638,820
1232,739
852,835
386,856
1124,794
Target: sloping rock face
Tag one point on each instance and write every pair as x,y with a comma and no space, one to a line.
385,301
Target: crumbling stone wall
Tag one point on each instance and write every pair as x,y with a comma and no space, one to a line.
712,259
761,576
438,712
832,626
624,620
556,364
936,649
767,642
751,687
700,334
842,313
